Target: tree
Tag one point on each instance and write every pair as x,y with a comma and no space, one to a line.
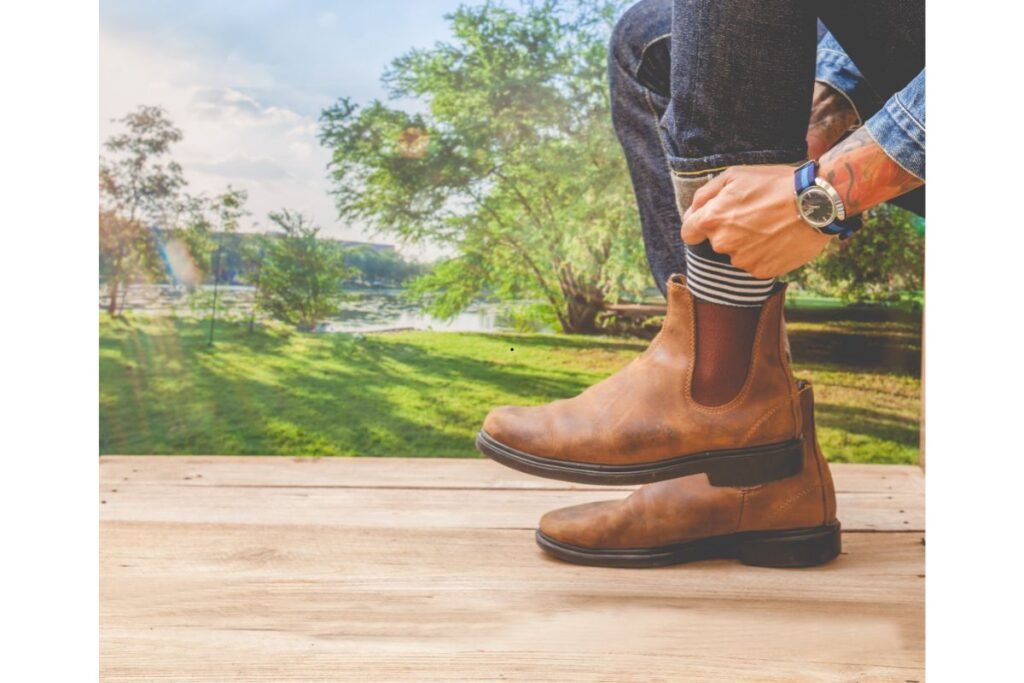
883,261
376,266
203,225
139,186
300,280
513,165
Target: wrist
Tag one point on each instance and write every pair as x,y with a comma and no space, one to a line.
837,175
863,174
819,204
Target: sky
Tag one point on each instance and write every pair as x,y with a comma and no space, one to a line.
245,80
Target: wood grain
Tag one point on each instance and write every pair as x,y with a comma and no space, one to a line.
268,569
462,493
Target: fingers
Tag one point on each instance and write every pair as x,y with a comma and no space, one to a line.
708,192
694,229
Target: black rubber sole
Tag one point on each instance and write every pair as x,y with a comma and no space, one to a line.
735,467
783,549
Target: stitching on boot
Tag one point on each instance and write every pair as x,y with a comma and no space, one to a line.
764,418
796,496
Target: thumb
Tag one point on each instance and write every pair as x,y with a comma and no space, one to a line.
708,192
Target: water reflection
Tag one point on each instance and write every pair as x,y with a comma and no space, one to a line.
363,311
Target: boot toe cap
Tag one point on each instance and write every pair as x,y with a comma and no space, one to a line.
514,426
585,525
498,421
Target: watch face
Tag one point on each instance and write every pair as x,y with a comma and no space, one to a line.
816,207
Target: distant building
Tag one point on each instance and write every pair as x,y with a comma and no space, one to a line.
164,235
376,246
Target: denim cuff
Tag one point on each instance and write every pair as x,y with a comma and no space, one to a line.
696,166
835,68
899,127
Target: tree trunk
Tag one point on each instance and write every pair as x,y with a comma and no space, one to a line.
112,304
581,314
583,303
583,317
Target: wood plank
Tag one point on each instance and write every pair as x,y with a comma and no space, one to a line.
462,493
419,509
410,473
255,602
283,569
341,472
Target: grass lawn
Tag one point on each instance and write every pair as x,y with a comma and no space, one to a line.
274,391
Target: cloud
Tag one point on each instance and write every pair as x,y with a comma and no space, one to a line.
238,108
246,86
213,103
231,137
245,168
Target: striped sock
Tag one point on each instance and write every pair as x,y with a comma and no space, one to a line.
710,277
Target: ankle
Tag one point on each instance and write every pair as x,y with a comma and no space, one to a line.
724,341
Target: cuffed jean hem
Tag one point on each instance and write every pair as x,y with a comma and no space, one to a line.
696,166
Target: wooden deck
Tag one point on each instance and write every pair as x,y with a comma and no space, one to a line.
284,569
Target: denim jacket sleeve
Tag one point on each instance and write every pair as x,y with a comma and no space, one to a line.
898,125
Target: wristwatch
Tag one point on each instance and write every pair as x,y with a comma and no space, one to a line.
820,205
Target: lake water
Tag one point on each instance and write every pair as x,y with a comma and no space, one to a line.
364,311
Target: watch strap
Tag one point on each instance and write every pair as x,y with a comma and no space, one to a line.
843,228
805,175
803,178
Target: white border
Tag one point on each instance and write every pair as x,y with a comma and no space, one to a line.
49,388
975,337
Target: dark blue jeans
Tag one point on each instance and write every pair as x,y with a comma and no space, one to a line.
699,85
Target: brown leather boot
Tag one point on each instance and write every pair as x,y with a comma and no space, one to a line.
642,424
787,523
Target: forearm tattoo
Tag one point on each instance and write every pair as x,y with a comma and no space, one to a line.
863,174
832,117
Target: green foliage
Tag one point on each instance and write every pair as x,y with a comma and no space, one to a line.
128,252
511,162
139,185
150,228
373,266
884,261
300,280
203,227
137,178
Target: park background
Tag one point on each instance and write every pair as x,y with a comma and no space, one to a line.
352,239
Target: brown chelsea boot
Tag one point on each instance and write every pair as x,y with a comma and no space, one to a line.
643,424
787,523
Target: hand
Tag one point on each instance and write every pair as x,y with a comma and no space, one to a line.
749,213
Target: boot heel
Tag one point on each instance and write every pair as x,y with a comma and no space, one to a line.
791,548
757,465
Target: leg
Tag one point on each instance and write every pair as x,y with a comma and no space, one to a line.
742,78
714,392
649,421
638,79
672,118
741,82
623,428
